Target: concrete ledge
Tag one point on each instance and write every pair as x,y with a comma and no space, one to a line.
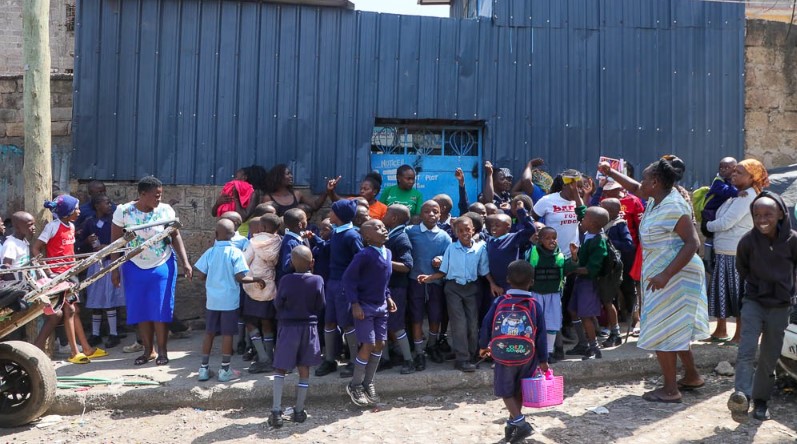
180,388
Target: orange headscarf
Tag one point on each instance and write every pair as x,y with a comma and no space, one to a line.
759,173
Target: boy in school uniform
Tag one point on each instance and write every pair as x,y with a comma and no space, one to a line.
619,235
401,249
299,300
295,221
224,268
365,287
508,375
258,310
238,241
766,258
343,246
585,303
446,222
550,268
429,243
463,263
505,246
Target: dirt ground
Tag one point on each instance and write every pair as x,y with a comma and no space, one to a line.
475,417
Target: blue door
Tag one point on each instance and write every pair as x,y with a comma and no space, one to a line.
435,152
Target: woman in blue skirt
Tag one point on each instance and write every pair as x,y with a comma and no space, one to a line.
149,278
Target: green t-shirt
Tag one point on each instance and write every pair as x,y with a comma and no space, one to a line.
412,199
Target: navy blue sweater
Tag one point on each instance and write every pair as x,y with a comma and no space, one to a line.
321,256
342,248
540,342
401,249
365,280
284,266
501,251
300,296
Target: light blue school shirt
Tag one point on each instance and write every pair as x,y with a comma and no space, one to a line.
465,264
239,242
221,263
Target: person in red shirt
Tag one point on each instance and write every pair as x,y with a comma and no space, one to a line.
58,240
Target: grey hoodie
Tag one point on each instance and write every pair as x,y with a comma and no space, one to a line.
766,266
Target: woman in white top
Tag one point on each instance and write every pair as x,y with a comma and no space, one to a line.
733,221
150,277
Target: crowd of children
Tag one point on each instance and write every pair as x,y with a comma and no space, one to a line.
365,279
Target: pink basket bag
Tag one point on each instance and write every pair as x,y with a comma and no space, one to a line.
543,390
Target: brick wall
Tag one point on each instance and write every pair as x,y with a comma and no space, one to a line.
12,132
62,40
771,93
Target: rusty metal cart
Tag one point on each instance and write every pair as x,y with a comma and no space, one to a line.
27,375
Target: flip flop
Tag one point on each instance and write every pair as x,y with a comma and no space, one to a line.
715,340
143,359
162,360
689,387
652,396
98,353
79,358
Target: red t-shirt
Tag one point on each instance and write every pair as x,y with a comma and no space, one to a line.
60,241
632,209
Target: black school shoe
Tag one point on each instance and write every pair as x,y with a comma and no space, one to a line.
347,371
435,354
521,432
408,367
298,416
509,430
443,345
94,340
613,340
592,353
326,368
112,341
578,350
760,410
465,366
420,362
275,420
249,355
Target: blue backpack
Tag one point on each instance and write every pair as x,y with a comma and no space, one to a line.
514,331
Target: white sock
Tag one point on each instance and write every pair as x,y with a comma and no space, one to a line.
112,322
96,322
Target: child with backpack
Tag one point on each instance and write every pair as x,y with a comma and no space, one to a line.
707,200
592,269
550,268
513,333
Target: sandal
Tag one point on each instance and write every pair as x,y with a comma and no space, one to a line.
653,396
79,358
143,359
162,360
714,339
98,353
689,387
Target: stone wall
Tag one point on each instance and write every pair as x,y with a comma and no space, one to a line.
771,93
62,36
12,133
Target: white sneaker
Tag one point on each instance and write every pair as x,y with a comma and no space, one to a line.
133,348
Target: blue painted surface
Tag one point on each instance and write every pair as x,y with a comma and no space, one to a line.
190,90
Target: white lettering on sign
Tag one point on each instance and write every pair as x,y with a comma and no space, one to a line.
430,178
390,163
391,178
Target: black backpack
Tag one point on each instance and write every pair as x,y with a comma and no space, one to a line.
611,274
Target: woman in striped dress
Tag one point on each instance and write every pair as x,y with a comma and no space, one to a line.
674,307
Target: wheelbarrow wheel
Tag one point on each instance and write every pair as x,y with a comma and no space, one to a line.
27,383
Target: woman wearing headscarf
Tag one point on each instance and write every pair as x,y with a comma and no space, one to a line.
674,311
733,221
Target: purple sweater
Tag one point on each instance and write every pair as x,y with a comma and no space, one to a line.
342,248
300,296
365,281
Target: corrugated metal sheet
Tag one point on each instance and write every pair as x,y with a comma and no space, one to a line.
190,90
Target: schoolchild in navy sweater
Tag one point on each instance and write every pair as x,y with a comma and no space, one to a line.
504,246
429,243
299,298
343,246
295,221
365,286
401,249
321,249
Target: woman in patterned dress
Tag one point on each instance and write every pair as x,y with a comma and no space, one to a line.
150,277
674,307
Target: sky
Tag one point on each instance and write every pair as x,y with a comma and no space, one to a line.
408,7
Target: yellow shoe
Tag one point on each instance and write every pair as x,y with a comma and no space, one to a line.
79,358
98,353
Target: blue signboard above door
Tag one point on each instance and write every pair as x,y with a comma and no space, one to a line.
435,152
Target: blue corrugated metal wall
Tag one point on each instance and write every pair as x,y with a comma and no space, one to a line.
190,90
